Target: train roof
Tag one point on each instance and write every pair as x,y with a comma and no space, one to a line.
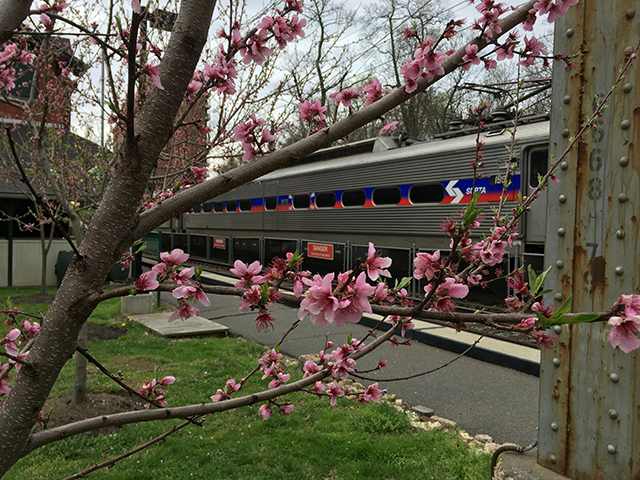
525,133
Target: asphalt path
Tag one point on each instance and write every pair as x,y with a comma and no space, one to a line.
480,397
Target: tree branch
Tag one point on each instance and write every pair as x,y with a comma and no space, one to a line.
45,437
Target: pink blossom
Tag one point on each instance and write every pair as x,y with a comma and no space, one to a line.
182,277
248,273
318,387
470,57
426,265
375,265
264,321
32,328
146,281
46,21
624,333
381,365
319,302
256,49
184,311
345,96
373,92
387,128
309,111
200,174
373,393
153,71
167,380
543,339
176,257
265,411
193,293
334,391
135,6
354,303
286,409
310,367
342,367
527,323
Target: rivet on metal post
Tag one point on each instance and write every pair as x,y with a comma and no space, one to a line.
554,426
567,99
627,87
570,32
558,328
562,198
625,124
624,161
623,197
613,413
565,132
556,362
555,393
558,298
559,264
561,232
614,377
620,234
630,14
619,270
553,458
564,165
611,449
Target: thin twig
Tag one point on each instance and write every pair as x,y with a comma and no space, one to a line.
37,197
446,364
110,463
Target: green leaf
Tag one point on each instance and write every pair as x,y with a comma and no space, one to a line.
403,283
582,318
544,321
349,338
264,293
533,278
544,292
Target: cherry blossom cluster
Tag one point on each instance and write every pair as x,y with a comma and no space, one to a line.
426,63
10,55
153,390
186,293
12,343
254,138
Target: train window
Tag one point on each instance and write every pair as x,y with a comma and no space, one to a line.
326,200
232,206
429,193
387,196
218,207
270,203
206,208
353,198
537,166
301,201
245,205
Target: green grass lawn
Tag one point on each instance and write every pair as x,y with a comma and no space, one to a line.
316,441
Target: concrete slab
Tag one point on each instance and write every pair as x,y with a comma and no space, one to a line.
159,323
141,304
523,466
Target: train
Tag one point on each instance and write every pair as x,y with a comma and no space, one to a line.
396,194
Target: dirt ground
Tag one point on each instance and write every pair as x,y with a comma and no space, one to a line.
98,403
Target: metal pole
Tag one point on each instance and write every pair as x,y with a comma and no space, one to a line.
589,426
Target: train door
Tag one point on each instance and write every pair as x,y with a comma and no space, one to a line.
535,220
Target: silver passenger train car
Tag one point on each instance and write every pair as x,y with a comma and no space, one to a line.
398,197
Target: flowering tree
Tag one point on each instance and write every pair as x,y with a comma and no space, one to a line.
145,125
